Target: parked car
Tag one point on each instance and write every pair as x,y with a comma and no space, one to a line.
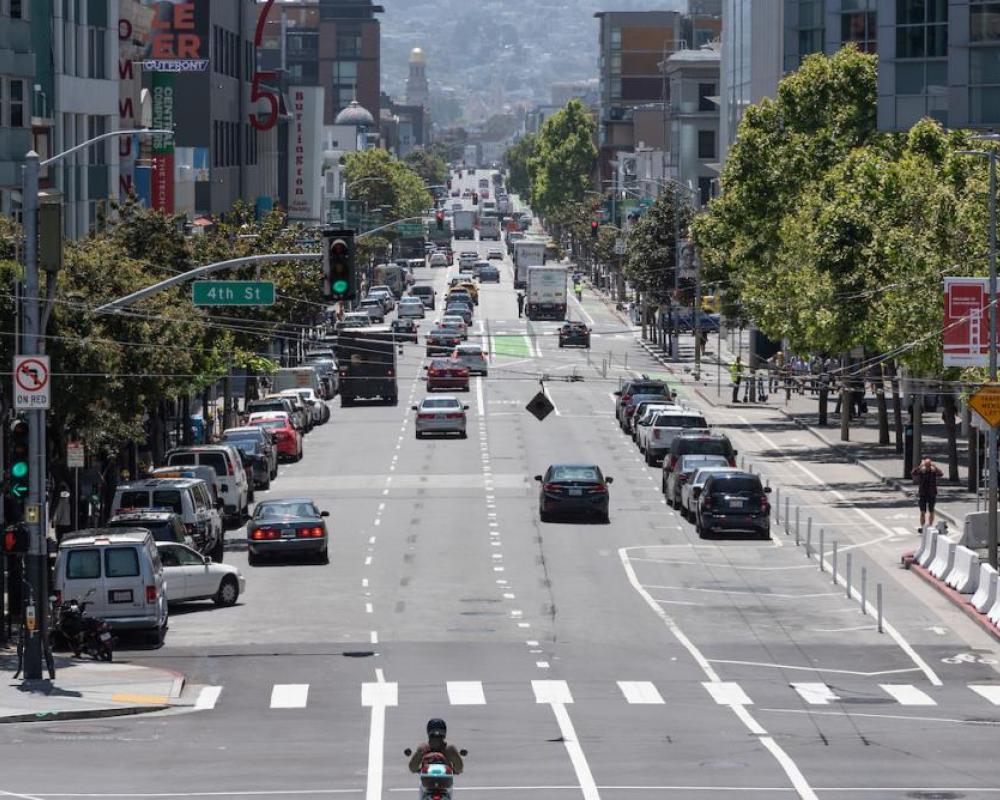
440,414
645,386
656,437
734,502
691,490
447,373
277,403
573,488
286,438
373,307
225,460
404,330
192,576
166,526
709,444
287,527
672,482
254,435
118,571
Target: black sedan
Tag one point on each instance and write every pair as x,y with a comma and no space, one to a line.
574,334
287,527
404,330
573,489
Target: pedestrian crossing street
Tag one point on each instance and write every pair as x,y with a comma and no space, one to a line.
630,692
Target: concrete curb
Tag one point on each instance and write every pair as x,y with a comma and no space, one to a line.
95,713
960,601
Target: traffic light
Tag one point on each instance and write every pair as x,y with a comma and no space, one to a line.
594,227
16,540
338,264
19,469
440,220
475,198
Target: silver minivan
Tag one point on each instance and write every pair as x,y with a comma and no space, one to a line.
118,571
228,466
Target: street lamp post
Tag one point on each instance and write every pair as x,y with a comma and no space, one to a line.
36,567
991,434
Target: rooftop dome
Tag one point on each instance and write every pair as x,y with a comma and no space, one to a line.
357,115
417,56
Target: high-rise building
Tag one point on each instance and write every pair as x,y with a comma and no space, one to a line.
417,92
17,78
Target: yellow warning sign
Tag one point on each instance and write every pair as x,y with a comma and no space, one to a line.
986,403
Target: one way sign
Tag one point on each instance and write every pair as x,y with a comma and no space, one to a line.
31,383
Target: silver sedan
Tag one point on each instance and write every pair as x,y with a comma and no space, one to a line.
441,414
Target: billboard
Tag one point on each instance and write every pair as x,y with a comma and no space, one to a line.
966,336
177,38
305,153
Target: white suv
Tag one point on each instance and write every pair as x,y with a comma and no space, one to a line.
412,307
225,460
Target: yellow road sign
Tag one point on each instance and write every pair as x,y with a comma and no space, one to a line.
986,403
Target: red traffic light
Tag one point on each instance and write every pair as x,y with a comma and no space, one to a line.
16,540
594,225
440,215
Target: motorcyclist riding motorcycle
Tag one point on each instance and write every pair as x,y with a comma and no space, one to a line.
436,731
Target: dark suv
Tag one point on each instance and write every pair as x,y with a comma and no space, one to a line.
630,389
734,501
706,444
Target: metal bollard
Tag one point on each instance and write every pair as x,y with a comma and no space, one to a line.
809,539
741,462
864,589
786,515
821,550
777,503
610,360
878,605
847,575
833,562
625,365
797,509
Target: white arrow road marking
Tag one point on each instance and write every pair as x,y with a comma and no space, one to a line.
557,695
817,694
377,696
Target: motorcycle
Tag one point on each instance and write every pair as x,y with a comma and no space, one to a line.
83,634
436,776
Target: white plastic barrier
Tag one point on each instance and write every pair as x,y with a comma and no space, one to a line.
929,553
986,594
927,534
993,615
945,560
964,574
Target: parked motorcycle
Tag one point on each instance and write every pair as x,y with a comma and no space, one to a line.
436,776
83,634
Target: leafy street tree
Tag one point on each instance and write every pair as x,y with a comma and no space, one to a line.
518,160
563,160
428,165
652,252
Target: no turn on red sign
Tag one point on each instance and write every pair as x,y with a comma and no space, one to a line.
31,383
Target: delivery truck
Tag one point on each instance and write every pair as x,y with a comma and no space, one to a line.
527,253
464,224
546,294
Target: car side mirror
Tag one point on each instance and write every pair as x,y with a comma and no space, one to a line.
767,490
324,513
465,407
609,479
208,560
538,478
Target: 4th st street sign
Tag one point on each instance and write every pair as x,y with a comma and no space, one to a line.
233,293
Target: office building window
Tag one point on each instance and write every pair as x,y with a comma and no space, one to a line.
97,153
348,44
15,9
706,91
984,85
921,28
16,96
706,187
706,144
984,21
859,28
96,62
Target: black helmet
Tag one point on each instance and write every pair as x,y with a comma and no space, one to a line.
436,727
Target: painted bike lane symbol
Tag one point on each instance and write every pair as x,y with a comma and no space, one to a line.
968,658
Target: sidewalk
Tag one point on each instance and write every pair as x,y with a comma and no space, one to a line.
85,689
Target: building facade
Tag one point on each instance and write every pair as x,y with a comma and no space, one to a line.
417,90
17,78
694,120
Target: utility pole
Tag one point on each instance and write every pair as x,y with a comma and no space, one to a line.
991,541
696,313
675,332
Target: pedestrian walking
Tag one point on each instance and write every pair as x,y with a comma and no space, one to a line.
736,375
926,477
761,388
520,304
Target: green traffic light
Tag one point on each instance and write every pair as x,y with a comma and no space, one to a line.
340,286
19,469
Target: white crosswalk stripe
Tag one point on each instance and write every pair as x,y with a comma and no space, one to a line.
907,695
552,692
816,694
466,693
640,692
727,694
989,691
207,698
289,695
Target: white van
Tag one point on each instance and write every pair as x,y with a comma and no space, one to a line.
304,377
191,498
226,461
118,572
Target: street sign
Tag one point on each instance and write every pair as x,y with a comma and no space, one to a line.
619,247
986,403
31,383
540,406
410,230
233,293
75,455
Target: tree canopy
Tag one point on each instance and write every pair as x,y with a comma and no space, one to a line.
563,160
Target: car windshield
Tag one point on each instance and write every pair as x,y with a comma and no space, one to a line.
736,485
693,462
718,447
241,436
183,458
678,421
440,402
270,424
590,474
296,508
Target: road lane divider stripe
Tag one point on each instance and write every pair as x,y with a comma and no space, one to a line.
907,695
207,698
378,696
641,692
466,693
557,695
816,694
289,695
990,692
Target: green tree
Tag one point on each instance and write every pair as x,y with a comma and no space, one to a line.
652,254
564,159
518,161
428,165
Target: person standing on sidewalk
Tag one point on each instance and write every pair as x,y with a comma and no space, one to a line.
926,477
736,375
520,304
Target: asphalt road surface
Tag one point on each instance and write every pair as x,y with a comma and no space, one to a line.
573,659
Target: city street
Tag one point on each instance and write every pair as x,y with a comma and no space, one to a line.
618,661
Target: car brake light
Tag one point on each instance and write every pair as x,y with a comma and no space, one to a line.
626,398
150,594
550,487
309,533
425,416
454,416
265,533
390,372
598,489
683,478
706,501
